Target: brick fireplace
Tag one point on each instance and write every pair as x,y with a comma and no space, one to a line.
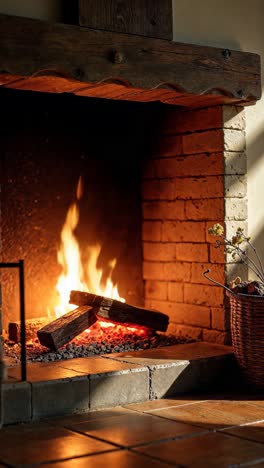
162,176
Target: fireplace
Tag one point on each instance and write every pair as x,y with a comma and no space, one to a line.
133,150
154,178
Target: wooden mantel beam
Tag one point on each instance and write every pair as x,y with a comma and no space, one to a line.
28,46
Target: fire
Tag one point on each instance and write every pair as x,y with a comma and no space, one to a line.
75,274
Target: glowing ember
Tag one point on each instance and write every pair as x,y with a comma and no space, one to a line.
75,274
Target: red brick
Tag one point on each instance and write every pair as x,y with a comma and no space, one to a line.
156,290
177,271
192,120
192,315
163,306
159,252
199,187
193,165
164,210
168,146
192,252
217,255
158,189
183,231
217,273
220,318
151,230
175,292
203,164
213,336
185,331
206,209
203,295
204,142
153,271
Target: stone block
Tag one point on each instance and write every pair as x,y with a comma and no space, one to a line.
16,402
166,379
236,209
234,117
188,376
235,186
235,163
119,388
231,227
60,397
234,140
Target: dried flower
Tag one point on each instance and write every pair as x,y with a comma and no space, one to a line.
216,230
247,254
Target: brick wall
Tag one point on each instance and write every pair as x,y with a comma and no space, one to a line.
194,178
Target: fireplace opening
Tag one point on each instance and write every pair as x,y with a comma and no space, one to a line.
114,198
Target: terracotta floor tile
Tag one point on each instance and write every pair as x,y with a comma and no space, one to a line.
214,414
205,451
253,431
36,443
91,416
118,459
153,405
134,429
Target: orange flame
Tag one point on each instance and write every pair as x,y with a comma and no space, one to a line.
76,275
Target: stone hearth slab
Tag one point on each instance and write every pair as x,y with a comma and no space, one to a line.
181,368
79,385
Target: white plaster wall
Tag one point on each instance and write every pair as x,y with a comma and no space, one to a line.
49,10
234,24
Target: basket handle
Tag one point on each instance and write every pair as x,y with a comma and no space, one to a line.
216,282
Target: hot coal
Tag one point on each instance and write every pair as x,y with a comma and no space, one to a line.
98,340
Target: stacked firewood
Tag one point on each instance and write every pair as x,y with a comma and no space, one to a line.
92,308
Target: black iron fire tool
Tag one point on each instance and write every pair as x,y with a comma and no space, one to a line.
20,266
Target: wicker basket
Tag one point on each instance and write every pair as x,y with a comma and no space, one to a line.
247,330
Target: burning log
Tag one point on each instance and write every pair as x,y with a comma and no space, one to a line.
64,329
119,312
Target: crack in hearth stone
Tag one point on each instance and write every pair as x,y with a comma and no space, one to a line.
151,368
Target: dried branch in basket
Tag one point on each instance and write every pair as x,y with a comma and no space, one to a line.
241,250
64,329
119,312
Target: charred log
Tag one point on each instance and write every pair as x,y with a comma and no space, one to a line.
119,312
64,329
